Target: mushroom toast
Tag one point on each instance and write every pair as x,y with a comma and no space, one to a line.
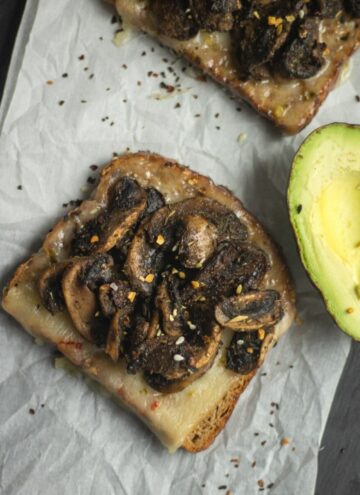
281,56
164,289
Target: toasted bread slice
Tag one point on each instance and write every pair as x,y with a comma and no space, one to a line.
289,104
194,416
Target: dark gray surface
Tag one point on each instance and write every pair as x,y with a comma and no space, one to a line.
339,460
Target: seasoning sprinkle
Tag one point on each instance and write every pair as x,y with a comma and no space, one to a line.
180,340
149,278
94,239
178,358
131,296
239,289
160,240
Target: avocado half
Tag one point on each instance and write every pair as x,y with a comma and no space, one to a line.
324,204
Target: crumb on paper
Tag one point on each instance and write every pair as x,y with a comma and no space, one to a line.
285,441
242,137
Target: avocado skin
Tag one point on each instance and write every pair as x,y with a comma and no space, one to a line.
335,285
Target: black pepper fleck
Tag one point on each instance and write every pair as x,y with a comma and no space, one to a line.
19,187
93,167
65,75
61,102
357,98
81,57
32,411
298,208
222,487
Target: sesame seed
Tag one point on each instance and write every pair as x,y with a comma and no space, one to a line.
178,358
180,340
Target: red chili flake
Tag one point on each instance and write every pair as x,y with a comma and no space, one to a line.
32,411
77,345
155,405
167,87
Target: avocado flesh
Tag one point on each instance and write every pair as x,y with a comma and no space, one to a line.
324,204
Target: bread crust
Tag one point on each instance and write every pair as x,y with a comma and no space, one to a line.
289,104
174,181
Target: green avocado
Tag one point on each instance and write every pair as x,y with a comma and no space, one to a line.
324,204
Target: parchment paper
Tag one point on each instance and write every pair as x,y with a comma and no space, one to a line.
57,434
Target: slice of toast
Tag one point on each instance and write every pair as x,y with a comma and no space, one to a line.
192,417
289,104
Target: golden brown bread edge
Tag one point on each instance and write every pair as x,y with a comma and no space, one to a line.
289,104
175,182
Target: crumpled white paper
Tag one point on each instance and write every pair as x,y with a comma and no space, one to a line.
79,441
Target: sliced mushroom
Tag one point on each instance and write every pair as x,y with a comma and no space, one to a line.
230,268
170,366
251,311
158,234
256,43
50,290
174,18
169,304
303,58
120,325
244,353
114,296
197,241
215,15
126,204
81,278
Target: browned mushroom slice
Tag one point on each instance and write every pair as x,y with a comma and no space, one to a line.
117,302
50,290
169,304
197,241
215,15
126,203
114,296
81,278
160,234
119,326
230,268
171,365
174,18
251,311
